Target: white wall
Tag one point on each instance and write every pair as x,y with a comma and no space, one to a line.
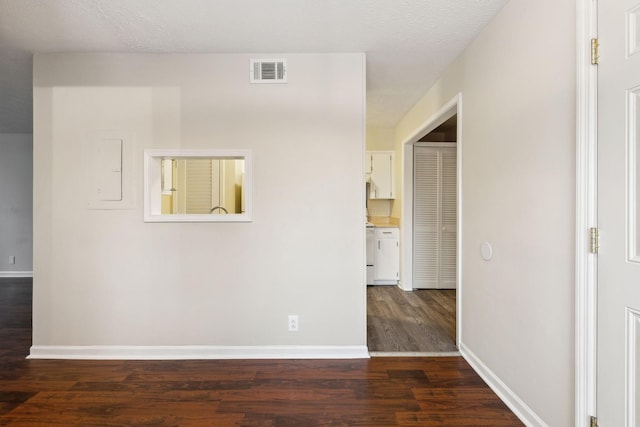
103,277
518,118
380,138
16,203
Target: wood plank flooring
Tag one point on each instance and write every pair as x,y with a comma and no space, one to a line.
412,391
417,321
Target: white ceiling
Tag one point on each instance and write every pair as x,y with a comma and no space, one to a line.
408,42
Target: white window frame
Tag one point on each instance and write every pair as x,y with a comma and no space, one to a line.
152,183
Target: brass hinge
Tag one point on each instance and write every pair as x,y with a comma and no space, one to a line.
594,240
594,422
595,51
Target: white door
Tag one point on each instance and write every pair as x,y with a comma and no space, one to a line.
434,218
618,358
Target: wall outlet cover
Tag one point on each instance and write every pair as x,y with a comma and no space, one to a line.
293,323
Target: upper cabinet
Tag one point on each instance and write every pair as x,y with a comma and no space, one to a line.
379,174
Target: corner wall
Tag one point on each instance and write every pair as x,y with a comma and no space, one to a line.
16,204
105,278
517,81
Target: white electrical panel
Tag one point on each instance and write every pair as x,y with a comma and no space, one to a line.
110,167
109,170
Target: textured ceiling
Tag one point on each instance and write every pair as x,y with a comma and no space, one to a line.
408,42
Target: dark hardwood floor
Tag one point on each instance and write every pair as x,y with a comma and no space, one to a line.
422,321
412,391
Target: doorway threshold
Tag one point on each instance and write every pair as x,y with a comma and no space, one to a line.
414,353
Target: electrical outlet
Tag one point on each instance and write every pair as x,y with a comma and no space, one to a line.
12,259
293,322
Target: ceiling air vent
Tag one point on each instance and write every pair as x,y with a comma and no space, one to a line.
268,71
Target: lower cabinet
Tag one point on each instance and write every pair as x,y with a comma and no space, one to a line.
387,256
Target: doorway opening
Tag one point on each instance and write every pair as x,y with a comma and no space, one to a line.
422,314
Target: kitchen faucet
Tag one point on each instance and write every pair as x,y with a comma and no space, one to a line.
219,207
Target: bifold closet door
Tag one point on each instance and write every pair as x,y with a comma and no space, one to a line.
434,218
198,186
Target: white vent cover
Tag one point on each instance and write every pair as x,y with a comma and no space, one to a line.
268,71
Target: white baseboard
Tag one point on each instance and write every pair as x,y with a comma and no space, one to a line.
197,352
14,274
522,411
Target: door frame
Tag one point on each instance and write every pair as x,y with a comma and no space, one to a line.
586,266
451,108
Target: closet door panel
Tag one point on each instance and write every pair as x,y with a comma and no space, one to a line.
448,228
198,186
425,218
435,218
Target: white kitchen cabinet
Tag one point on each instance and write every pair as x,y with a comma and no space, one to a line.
387,256
434,217
379,169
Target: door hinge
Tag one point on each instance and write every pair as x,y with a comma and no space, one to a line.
595,51
594,422
594,240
